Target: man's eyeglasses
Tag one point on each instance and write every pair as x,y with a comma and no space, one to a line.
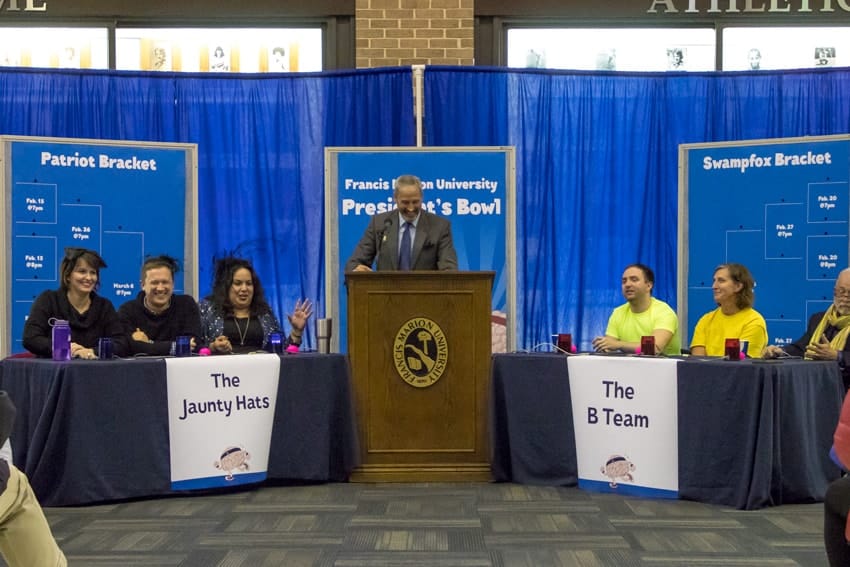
841,292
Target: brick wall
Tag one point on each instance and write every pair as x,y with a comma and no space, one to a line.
410,32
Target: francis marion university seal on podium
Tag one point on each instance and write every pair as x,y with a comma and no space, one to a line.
420,352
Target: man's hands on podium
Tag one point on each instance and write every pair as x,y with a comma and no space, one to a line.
362,268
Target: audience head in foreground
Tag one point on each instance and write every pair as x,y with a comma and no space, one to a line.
25,536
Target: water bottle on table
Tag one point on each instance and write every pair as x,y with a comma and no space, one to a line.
61,337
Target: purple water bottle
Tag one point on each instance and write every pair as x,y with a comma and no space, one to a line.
61,335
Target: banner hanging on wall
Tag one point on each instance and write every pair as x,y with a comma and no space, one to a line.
124,200
473,187
780,207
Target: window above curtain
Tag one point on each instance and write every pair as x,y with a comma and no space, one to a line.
247,50
613,49
54,47
749,48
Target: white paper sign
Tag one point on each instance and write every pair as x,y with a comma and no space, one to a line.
626,424
220,417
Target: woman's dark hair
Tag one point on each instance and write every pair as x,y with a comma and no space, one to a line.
740,274
223,273
69,262
163,261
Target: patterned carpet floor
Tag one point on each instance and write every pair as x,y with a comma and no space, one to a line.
440,525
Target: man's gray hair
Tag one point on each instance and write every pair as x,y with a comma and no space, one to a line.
405,180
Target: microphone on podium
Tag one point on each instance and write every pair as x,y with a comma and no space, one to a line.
382,235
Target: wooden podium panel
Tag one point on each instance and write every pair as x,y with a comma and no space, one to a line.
420,347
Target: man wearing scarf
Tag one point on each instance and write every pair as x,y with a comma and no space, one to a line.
827,332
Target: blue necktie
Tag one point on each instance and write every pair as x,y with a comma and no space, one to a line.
404,251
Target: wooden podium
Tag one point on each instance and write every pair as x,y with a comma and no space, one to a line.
419,344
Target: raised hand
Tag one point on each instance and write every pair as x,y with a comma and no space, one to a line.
302,311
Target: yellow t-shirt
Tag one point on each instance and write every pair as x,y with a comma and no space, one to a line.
714,328
628,326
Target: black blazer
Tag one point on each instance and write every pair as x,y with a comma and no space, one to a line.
798,347
432,248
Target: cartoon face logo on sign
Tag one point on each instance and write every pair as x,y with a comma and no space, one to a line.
618,467
420,352
233,459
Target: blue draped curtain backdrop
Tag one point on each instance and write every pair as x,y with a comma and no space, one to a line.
597,166
597,157
261,143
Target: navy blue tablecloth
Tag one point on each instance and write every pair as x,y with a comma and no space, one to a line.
93,431
531,420
751,433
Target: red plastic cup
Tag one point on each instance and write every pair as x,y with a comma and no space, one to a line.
565,342
733,349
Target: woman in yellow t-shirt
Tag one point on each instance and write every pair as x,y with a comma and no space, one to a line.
734,317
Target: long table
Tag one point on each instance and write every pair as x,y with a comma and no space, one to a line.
751,433
93,431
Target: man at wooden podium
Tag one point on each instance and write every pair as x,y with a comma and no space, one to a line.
406,238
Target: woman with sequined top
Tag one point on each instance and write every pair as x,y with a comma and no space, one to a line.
235,317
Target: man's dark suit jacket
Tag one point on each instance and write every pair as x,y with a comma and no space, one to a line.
432,248
798,347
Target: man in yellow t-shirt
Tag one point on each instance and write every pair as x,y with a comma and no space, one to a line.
641,315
